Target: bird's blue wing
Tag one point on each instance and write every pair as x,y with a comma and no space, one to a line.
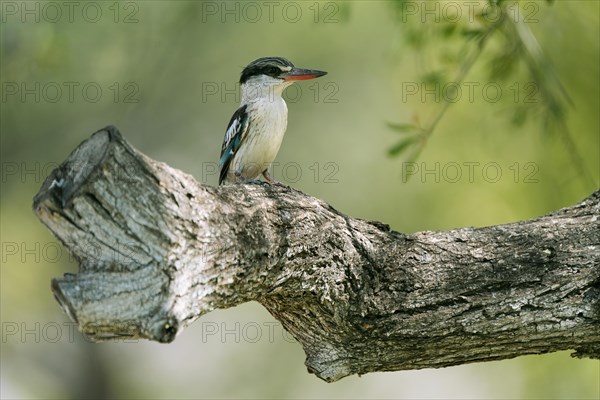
235,134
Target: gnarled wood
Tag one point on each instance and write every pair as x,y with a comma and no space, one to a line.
157,250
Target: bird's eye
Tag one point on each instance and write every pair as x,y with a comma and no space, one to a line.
274,71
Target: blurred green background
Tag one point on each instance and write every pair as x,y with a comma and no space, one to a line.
165,74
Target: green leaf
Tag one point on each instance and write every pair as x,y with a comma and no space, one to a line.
401,146
402,128
448,29
472,33
415,38
520,116
503,65
344,11
433,77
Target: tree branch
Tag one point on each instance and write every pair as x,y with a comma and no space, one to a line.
157,250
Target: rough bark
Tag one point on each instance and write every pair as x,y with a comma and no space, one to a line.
157,250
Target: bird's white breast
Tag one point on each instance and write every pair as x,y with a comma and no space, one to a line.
268,122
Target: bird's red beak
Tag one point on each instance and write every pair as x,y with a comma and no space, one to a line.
301,74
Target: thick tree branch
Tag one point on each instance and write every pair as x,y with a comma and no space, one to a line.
157,250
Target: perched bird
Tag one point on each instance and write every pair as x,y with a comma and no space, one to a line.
256,129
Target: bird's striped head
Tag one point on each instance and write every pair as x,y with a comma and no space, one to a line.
279,69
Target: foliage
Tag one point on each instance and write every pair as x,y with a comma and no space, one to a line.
497,34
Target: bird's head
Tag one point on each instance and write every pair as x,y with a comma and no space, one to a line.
276,73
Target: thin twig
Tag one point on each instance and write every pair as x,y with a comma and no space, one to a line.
541,71
460,77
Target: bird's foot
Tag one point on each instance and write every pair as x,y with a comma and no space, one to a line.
268,178
253,181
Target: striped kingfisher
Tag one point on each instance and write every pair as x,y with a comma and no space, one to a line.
256,129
